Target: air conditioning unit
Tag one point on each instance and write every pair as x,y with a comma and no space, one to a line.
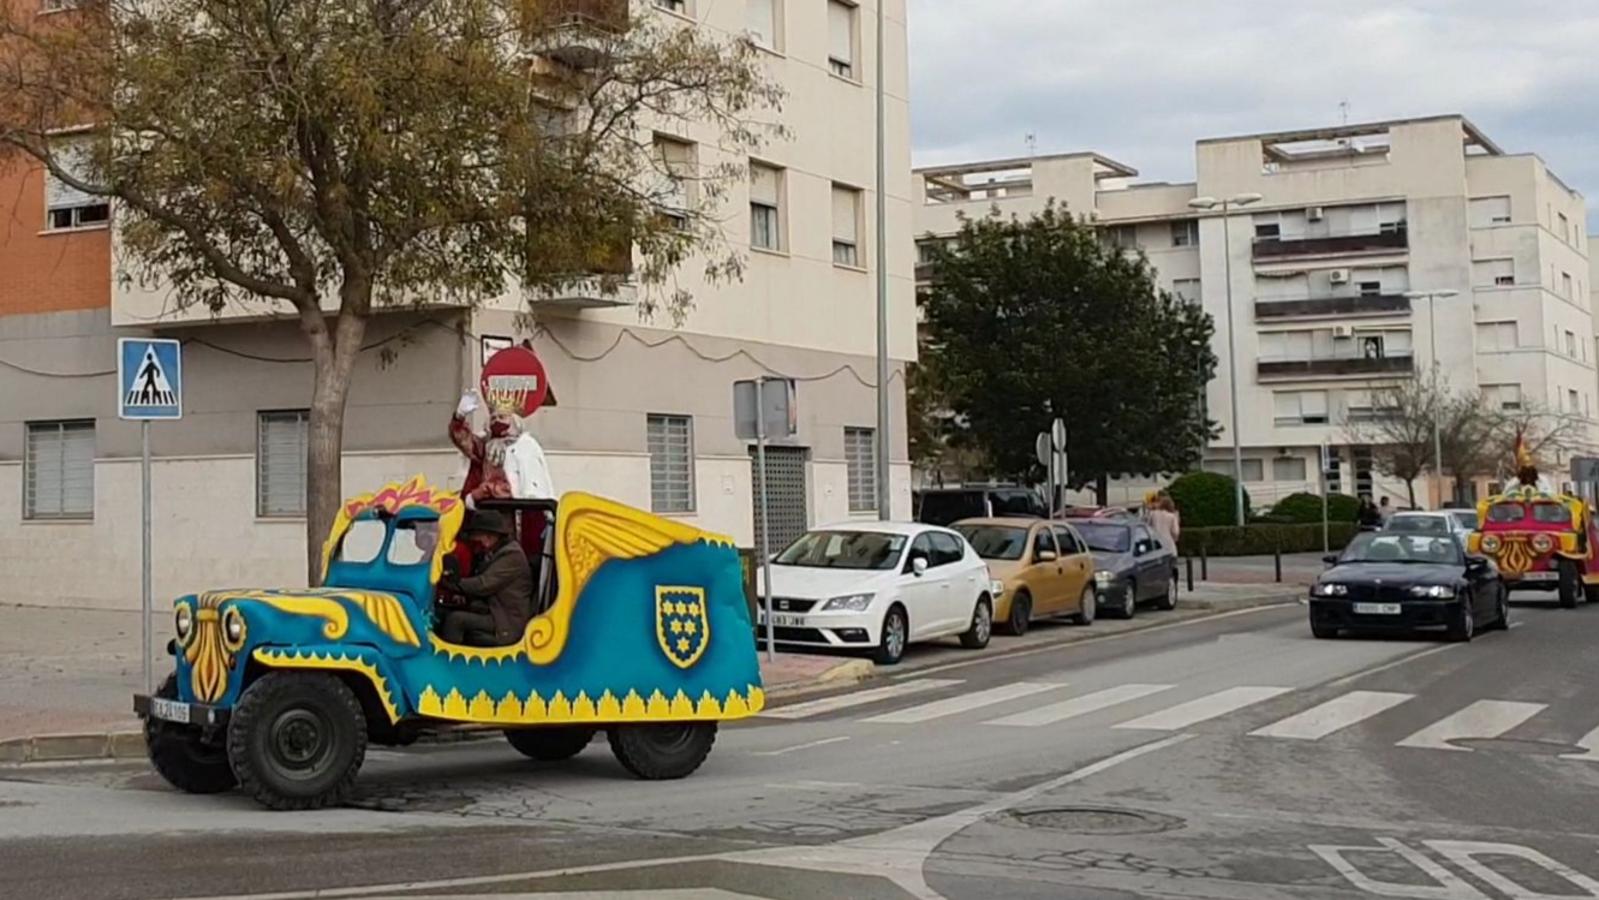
1343,331
1338,276
1315,214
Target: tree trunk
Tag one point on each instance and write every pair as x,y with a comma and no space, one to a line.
1102,489
334,357
1410,488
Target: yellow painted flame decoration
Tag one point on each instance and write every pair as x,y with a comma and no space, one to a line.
393,498
1515,556
208,658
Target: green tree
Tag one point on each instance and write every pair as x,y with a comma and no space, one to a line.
1033,319
329,161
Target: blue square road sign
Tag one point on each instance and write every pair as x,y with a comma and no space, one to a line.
149,379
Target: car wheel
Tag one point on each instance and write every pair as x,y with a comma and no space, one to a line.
1501,613
895,635
982,627
1570,585
182,756
550,744
1087,606
662,752
1168,600
1129,604
296,740
1021,614
1323,631
1464,626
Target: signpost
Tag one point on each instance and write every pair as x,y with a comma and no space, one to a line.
1326,468
149,387
764,408
1050,448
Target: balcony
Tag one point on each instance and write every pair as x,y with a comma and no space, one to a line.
1393,364
1332,307
577,32
1391,239
608,284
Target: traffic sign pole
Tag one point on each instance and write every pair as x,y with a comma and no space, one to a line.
766,520
149,386
147,602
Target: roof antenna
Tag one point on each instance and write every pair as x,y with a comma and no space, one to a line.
1032,144
1343,109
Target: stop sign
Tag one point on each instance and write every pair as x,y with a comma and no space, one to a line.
515,375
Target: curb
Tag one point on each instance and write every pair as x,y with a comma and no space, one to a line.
846,673
72,747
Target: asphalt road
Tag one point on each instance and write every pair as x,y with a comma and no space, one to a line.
1233,757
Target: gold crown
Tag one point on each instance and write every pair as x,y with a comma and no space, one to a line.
505,403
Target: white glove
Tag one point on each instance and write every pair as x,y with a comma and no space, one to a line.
471,504
468,404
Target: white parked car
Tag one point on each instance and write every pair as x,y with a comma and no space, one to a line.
1458,522
879,586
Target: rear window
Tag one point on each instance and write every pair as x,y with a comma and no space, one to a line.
944,507
1017,503
995,541
1418,525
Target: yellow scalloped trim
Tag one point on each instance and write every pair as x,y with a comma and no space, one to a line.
294,659
559,709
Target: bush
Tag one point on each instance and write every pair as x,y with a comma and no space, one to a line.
1205,499
1263,540
1305,509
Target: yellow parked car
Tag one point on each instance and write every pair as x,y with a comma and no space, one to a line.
1040,569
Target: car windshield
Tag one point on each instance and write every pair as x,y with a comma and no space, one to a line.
1418,525
413,542
1466,518
1104,536
363,541
1507,512
1388,547
844,550
1550,513
995,541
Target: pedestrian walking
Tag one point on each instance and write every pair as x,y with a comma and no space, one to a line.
1370,519
1165,522
1384,512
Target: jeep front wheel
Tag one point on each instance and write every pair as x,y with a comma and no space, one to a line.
662,752
181,754
550,743
296,740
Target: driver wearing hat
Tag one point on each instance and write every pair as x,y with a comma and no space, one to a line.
500,597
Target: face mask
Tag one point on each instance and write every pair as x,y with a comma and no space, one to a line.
499,429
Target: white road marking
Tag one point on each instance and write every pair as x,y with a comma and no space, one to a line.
858,698
798,747
1447,885
1483,719
950,706
1590,746
1195,711
1464,854
1078,706
1335,715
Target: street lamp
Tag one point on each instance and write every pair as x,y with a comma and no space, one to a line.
1227,204
1437,434
884,496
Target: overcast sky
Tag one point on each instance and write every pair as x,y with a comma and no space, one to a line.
1141,80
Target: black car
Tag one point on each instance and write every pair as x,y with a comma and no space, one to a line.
945,506
1131,565
1393,581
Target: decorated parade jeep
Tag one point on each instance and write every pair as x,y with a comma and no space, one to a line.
647,637
1540,540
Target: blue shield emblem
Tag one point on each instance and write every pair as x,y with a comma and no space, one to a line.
682,625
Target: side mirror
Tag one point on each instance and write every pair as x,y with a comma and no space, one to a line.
1045,556
1330,559
919,566
1477,564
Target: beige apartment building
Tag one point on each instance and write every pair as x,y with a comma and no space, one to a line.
1350,220
643,409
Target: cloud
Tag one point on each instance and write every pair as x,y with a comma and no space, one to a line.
1141,80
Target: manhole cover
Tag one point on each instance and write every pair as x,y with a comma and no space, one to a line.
1098,820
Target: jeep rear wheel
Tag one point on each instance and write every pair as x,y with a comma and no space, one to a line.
662,752
296,740
181,754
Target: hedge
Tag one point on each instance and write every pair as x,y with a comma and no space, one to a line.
1305,509
1206,499
1263,540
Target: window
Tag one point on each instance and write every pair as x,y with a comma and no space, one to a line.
1185,233
1571,344
1268,231
761,17
1370,288
1567,288
676,161
65,205
1124,237
1045,541
846,225
1301,407
1505,397
1499,272
947,548
1492,336
678,6
766,191
1187,290
1288,468
1254,469
1069,544
1488,211
58,480
280,448
841,38
860,464
1565,227
1573,402
671,446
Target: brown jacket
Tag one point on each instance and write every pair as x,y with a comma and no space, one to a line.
506,583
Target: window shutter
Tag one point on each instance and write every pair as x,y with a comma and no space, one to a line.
676,165
73,155
1287,405
763,184
1313,404
762,21
280,463
846,222
860,463
841,31
60,470
670,442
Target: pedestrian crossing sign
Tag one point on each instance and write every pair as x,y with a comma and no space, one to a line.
149,379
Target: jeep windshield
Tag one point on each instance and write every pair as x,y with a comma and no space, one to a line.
843,550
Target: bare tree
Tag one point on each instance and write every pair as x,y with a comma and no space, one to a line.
1399,429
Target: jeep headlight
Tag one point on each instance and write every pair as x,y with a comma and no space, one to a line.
1491,543
1330,590
233,629
850,602
1543,543
1433,591
183,623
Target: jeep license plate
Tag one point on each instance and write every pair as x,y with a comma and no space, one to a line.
1541,576
169,710
1377,609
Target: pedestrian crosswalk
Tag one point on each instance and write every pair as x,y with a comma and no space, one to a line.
1266,712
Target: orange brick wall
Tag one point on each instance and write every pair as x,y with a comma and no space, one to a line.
46,272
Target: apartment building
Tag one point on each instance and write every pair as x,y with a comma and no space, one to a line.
643,410
1350,220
